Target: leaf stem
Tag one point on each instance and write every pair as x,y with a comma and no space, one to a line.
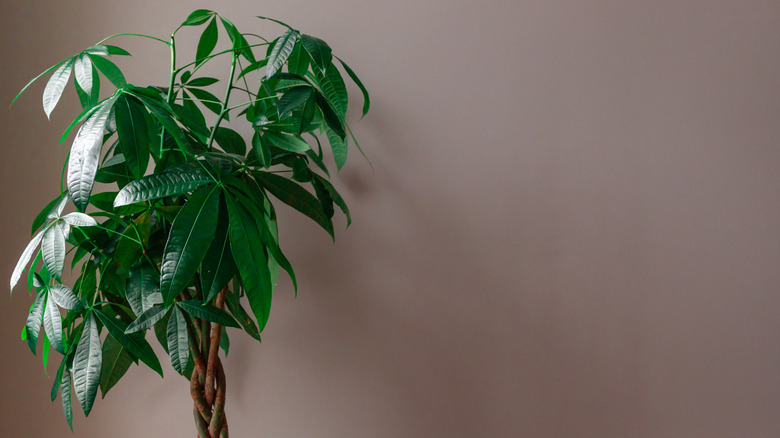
133,34
225,109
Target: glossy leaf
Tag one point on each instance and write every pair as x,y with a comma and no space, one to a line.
45,72
87,364
261,149
207,42
178,341
34,322
251,261
207,312
243,318
334,194
133,133
218,266
287,142
114,50
293,98
142,288
67,407
240,43
319,51
135,343
64,297
77,219
83,71
188,241
202,82
25,259
146,319
298,62
354,77
332,119
85,155
208,100
116,362
53,250
230,141
332,85
55,87
52,324
52,210
339,147
110,71
198,17
281,51
295,196
175,181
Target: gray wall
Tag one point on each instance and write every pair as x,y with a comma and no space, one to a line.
571,230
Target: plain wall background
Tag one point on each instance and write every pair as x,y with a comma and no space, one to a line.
572,230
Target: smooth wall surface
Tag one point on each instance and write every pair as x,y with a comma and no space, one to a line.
572,230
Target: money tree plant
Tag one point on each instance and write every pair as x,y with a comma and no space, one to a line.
174,189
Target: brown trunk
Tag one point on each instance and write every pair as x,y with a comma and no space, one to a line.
207,383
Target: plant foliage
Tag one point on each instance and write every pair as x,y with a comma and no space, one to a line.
175,193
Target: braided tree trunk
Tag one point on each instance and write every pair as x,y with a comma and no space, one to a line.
207,383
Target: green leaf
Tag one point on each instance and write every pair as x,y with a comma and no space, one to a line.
240,43
218,266
116,362
251,261
142,288
198,17
287,142
52,210
174,181
146,319
207,42
178,341
339,147
281,51
64,297
295,196
293,98
331,118
47,71
110,71
77,219
298,62
34,322
332,85
52,324
87,364
366,97
319,51
25,259
55,386
53,249
66,402
83,70
85,154
114,50
207,312
164,114
261,149
190,236
135,343
230,141
243,318
55,87
202,82
208,100
224,341
334,194
133,133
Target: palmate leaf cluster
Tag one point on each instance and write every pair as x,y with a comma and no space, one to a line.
186,207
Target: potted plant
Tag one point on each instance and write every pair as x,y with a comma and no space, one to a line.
180,235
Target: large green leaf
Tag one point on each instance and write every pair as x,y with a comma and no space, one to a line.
133,133
207,42
198,17
366,97
147,319
293,98
55,87
64,297
116,362
295,196
218,266
135,343
142,288
252,263
34,321
175,181
87,364
110,71
188,241
207,312
178,341
332,119
234,304
77,219
67,407
339,147
83,70
332,85
319,51
45,72
240,43
287,142
53,249
52,324
230,141
298,62
52,210
281,51
85,154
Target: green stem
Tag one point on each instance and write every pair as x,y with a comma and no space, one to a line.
171,82
206,59
132,34
225,109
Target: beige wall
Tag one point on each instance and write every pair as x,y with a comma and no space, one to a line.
572,229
